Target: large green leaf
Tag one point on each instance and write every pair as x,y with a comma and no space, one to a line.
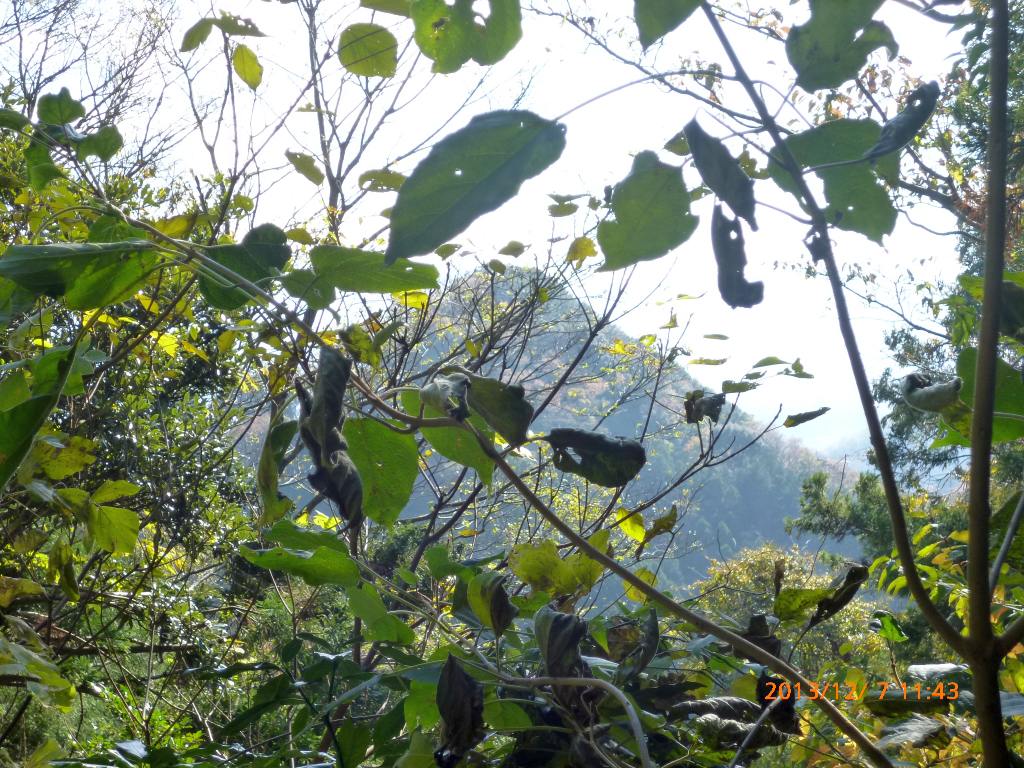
656,18
20,424
1009,394
87,275
368,50
471,172
502,405
114,529
853,193
350,269
999,524
378,625
290,536
450,35
323,566
262,254
104,144
827,51
652,214
793,603
59,108
456,444
388,463
275,445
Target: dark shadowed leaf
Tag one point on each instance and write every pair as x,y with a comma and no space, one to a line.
502,405
721,172
731,258
489,601
846,585
918,731
467,174
460,700
656,18
607,461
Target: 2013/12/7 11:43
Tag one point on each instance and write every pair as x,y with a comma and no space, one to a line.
948,691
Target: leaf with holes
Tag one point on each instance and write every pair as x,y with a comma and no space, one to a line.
470,172
856,200
827,50
306,165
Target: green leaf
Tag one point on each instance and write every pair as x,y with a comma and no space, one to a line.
59,109
469,173
388,463
306,165
797,419
421,749
441,565
489,601
450,35
262,254
13,390
886,625
506,716
1009,394
502,405
111,490
196,35
721,172
998,525
453,443
384,180
11,589
827,51
247,66
513,248
856,201
766,361
350,269
396,7
354,738
793,603
368,50
13,120
236,25
305,285
322,566
290,536
656,18
87,275
275,446
652,214
104,144
41,168
20,424
113,529
378,624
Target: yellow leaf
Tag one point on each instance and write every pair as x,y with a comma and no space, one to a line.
472,348
301,236
194,350
672,322
247,66
414,299
177,226
635,594
226,340
959,536
166,342
631,523
581,248
147,303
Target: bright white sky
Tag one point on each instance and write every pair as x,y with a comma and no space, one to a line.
796,318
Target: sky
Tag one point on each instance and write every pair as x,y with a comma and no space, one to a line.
796,319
